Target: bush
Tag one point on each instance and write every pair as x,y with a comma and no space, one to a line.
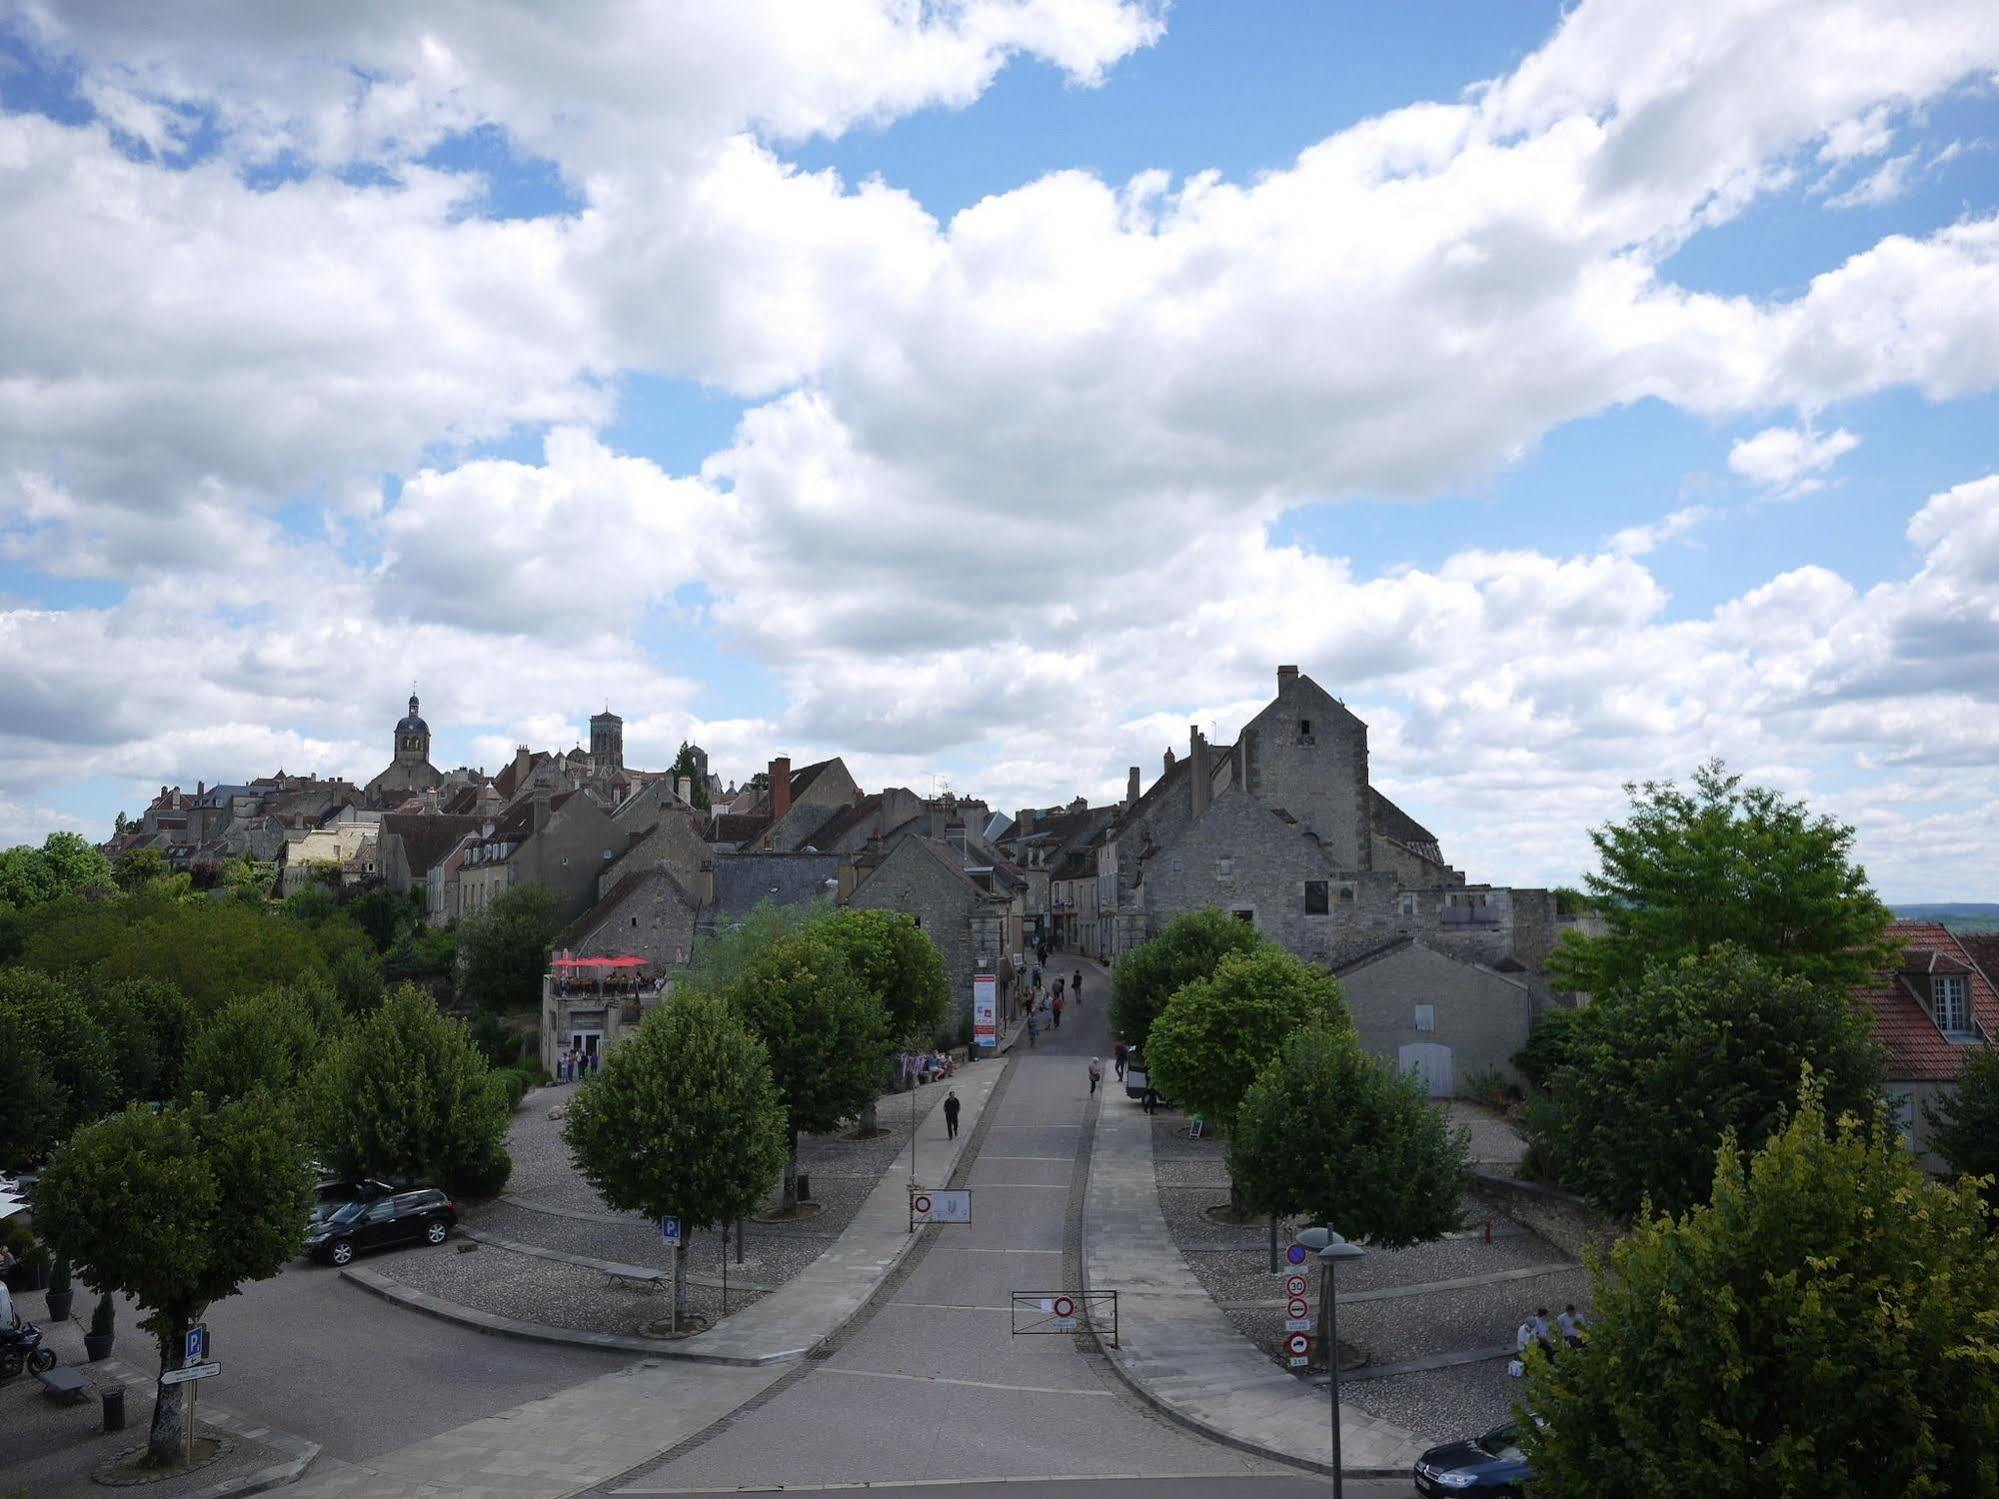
1490,1086
1550,1044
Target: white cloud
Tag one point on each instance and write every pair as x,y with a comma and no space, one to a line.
1638,541
1789,461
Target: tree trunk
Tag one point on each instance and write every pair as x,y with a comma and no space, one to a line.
679,1282
166,1443
791,1173
1238,1204
870,1125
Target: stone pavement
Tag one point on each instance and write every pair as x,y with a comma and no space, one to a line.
1177,1347
1496,1143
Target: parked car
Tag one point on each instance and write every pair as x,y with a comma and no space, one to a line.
1491,1464
333,1195
422,1213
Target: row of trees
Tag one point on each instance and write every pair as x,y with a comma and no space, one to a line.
787,1026
1259,1043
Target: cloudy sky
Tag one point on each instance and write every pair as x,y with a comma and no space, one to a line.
989,389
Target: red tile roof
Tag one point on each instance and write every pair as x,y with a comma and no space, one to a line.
1917,1049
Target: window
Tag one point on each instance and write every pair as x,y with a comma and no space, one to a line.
1953,1013
1346,895
1426,1017
1224,868
1246,917
1315,898
1902,1109
1304,731
1408,902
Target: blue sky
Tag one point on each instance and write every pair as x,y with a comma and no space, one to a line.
802,405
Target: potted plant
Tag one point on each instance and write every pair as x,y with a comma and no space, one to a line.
60,1294
103,1322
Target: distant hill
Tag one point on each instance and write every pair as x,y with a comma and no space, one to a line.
1961,916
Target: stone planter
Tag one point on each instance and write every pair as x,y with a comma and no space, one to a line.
96,1348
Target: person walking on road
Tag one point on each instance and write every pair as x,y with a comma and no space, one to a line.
1055,1009
1076,986
951,1115
1117,1060
1096,1072
1033,1030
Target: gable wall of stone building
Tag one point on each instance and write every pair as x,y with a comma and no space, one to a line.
1320,778
1482,1016
674,843
912,881
832,789
567,854
653,921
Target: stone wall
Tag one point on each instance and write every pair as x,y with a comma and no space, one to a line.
1319,777
1565,1221
654,921
1482,1016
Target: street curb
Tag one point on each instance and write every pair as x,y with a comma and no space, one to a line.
299,1453
380,1285
608,1267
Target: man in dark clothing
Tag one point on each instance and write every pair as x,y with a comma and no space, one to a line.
951,1116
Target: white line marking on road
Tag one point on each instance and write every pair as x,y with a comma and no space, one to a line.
1065,1159
971,1384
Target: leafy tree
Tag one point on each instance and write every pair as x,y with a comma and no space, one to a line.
897,962
827,1036
31,1104
353,967
503,950
312,903
1827,1325
1551,1041
249,880
69,1046
423,955
1723,864
149,1027
65,863
1186,949
1329,1133
25,877
139,867
177,1209
265,1043
76,862
1709,1044
684,1119
1964,1123
382,914
718,961
1217,1034
404,1094
684,764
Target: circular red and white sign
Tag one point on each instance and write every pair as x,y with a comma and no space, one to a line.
1297,1308
1299,1344
922,1204
1064,1307
1294,1285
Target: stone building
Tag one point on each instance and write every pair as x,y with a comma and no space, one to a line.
563,842
410,769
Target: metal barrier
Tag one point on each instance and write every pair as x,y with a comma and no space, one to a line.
1063,1312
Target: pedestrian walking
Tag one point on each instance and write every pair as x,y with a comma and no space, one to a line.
1058,985
1055,1009
1096,1072
1033,1030
565,1066
1151,1099
951,1115
1076,986
1118,1060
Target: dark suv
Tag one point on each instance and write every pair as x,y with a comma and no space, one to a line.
332,1196
422,1213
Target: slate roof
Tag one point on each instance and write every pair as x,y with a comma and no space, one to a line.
845,821
428,836
737,827
743,881
1917,1049
1392,822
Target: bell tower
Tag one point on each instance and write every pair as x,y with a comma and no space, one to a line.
412,738
607,740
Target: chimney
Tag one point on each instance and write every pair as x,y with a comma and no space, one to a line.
780,787
685,786
1287,678
1170,762
1023,821
540,813
200,787
1197,751
523,762
955,836
1131,786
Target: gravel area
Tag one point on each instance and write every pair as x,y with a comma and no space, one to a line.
1447,1405
1412,1327
545,1291
636,1241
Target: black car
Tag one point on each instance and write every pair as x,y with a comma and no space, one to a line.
1491,1464
424,1213
333,1195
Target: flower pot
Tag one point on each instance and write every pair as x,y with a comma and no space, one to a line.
59,1305
96,1347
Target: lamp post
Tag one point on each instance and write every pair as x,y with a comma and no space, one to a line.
1335,1250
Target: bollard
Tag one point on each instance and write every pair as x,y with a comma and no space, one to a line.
1488,1230
804,1187
114,1408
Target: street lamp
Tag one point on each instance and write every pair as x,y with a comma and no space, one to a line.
1332,1249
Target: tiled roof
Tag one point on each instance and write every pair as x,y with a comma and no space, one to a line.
428,836
737,827
844,822
1917,1049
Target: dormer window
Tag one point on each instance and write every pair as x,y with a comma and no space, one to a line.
1950,1001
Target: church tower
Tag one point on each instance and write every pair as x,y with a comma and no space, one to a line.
412,738
607,741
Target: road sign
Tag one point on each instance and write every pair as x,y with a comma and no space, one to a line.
1299,1347
1296,1254
197,1344
1297,1324
1294,1285
941,1207
1296,1307
669,1231
1064,1310
192,1371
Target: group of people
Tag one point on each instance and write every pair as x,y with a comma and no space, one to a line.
914,1068
574,1065
1051,1002
1567,1331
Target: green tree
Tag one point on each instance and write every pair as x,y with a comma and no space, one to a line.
1217,1034
312,903
1709,1044
266,1042
1690,870
26,879
1964,1122
718,961
404,1094
177,1209
503,950
684,764
139,867
1827,1325
249,880
426,956
1329,1133
69,1046
382,914
1186,949
827,1036
896,961
149,1027
31,1104
76,863
684,1120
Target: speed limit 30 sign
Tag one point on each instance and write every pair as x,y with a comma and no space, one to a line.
1294,1285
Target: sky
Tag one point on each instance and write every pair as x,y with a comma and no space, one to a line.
988,390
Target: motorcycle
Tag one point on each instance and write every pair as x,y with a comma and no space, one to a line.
21,1348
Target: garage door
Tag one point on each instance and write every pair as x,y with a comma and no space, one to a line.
1431,1060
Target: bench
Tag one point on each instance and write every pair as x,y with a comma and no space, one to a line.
65,1385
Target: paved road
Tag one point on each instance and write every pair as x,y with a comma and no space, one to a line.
931,1384
1199,1486
310,1354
